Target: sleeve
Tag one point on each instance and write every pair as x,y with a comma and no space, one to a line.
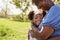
52,18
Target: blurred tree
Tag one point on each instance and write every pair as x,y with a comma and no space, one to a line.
5,9
22,5
58,1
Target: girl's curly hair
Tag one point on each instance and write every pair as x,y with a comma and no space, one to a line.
30,15
44,13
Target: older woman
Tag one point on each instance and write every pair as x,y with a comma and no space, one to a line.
50,25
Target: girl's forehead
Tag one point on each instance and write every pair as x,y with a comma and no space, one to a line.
36,15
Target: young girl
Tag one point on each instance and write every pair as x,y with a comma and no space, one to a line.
35,21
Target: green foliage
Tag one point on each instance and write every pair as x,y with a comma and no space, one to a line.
20,3
19,17
58,1
3,13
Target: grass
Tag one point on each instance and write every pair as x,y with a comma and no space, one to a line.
13,30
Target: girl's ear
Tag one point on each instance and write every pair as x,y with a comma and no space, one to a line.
30,15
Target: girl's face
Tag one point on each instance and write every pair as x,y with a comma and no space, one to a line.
37,19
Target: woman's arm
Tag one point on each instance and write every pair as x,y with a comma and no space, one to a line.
44,34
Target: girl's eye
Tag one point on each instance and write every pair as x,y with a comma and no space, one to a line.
36,18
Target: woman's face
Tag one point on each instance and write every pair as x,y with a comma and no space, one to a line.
42,5
45,5
37,19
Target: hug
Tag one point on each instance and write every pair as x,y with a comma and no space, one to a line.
46,27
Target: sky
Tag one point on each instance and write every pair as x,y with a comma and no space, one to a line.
12,8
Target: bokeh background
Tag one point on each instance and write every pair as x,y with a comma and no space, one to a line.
14,22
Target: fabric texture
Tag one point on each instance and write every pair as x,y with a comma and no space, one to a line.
52,18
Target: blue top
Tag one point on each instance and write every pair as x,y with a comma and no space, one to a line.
52,18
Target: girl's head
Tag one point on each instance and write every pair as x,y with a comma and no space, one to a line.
35,18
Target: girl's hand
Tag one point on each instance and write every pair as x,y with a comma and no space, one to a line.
35,35
35,29
34,32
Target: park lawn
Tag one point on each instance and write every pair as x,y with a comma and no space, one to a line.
13,30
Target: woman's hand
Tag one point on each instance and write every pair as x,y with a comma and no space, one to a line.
46,32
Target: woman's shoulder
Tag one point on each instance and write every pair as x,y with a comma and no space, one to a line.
55,7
